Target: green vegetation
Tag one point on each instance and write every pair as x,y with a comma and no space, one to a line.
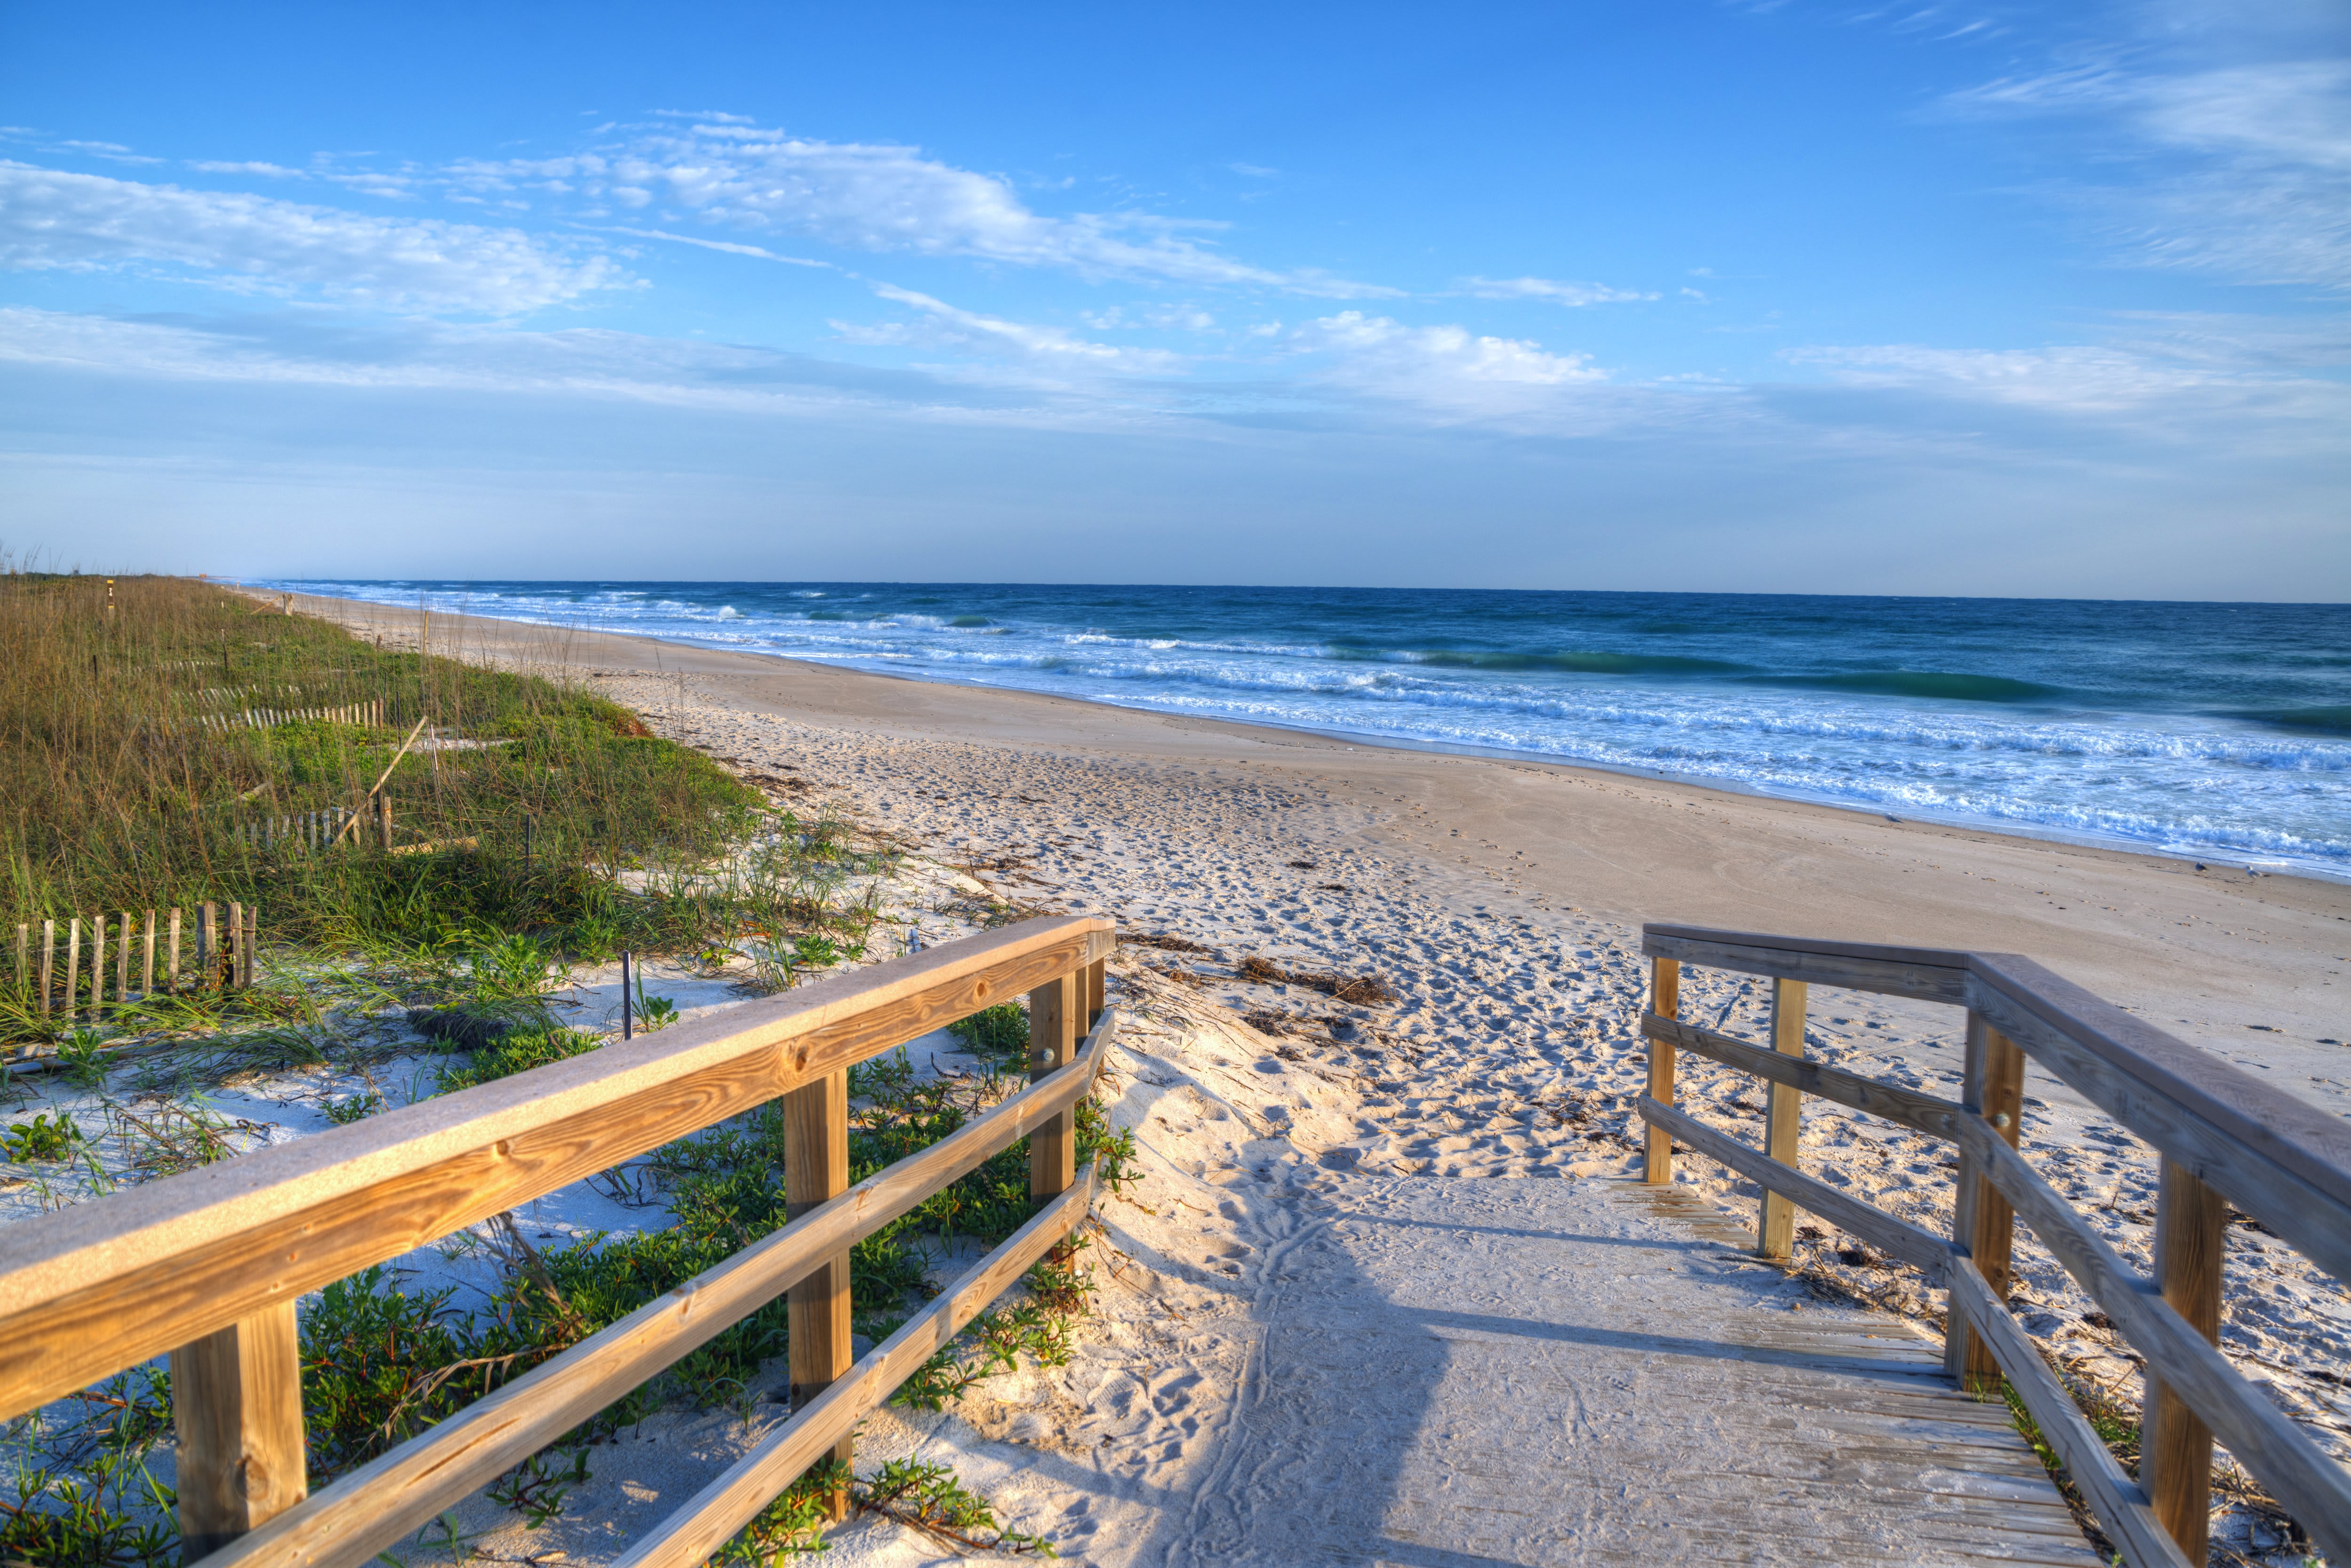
587,836
121,789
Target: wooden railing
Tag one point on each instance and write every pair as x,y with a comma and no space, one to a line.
2224,1137
208,1266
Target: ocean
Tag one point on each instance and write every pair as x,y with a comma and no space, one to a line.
2215,731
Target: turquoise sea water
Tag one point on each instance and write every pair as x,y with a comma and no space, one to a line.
2216,730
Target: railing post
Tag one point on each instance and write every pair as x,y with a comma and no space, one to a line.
1665,1001
1776,1227
816,1167
236,1405
1983,1223
2176,1452
1097,979
1053,1009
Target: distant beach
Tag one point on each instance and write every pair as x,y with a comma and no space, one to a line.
2211,731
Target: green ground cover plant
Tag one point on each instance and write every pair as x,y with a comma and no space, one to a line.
589,836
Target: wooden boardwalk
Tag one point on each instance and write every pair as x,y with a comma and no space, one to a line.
1456,1374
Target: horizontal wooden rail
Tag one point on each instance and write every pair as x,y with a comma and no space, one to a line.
1920,1112
2120,1502
2222,1133
688,1537
1929,974
2284,1161
2314,1488
1895,1238
89,1291
373,1506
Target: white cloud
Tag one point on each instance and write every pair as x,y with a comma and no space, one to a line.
731,248
257,244
881,197
113,152
1550,290
2176,372
266,171
944,324
1447,372
2250,163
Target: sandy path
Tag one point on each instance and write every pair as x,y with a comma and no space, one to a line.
1501,900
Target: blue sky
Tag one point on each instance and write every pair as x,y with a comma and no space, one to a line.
1785,297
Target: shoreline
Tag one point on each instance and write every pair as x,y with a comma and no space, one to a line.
2259,950
2239,860
2169,832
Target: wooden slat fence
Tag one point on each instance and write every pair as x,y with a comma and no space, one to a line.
2224,1137
208,1266
369,715
226,939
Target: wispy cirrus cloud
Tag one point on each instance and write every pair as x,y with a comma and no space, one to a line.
54,220
1550,291
2244,169
883,197
940,323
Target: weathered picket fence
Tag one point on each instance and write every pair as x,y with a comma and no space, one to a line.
305,833
368,714
225,948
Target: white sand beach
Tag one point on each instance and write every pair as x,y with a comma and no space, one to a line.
1499,901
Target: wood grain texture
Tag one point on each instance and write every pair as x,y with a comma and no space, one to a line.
87,1291
1775,1217
2285,1162
236,1408
1895,1238
1053,1012
817,1309
2313,1488
2121,1507
2176,1447
688,1537
1929,974
1664,1006
1921,1113
1983,1226
389,1497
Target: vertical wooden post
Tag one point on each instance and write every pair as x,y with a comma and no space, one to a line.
1982,1222
236,1402
147,959
73,966
1053,1041
208,938
383,818
49,963
175,947
1097,985
1665,1001
233,950
252,944
816,1167
626,1008
96,963
123,958
1775,1229
2176,1463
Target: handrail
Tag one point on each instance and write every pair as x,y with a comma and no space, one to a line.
370,1508
88,1290
208,1264
2222,1134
